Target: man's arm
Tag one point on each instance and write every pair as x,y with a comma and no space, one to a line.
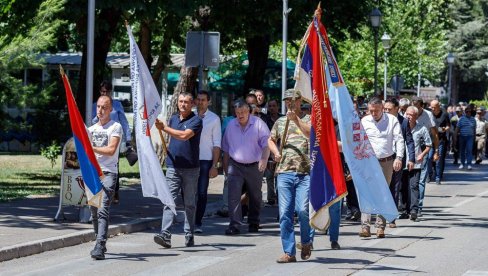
110,149
177,134
304,127
435,137
216,140
225,162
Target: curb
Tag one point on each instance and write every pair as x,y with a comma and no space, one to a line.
39,246
35,247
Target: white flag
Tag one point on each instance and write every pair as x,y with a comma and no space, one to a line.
147,106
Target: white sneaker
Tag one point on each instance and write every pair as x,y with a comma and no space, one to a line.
198,229
469,167
461,166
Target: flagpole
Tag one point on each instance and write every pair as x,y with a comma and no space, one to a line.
89,62
163,141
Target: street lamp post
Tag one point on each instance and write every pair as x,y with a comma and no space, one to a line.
386,45
375,17
450,61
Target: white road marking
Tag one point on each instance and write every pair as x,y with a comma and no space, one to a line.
387,269
459,204
475,273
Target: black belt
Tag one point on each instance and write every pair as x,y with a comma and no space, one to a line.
389,158
244,164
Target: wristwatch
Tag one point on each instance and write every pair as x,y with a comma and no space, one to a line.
215,166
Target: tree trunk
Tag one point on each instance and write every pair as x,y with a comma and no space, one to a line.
257,52
103,37
145,42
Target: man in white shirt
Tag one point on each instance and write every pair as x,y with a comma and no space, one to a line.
105,136
385,134
210,140
425,118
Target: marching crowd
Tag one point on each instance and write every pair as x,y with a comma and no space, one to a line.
257,144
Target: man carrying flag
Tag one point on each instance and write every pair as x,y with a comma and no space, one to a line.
105,137
293,176
373,192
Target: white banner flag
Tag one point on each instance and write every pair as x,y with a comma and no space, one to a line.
147,106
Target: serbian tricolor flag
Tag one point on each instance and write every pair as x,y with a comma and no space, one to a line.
373,192
147,106
327,184
90,169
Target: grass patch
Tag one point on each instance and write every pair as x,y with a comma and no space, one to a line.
32,175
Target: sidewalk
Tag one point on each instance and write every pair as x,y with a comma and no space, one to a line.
27,226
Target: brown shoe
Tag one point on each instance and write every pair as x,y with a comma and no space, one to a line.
380,233
392,225
286,259
365,233
306,251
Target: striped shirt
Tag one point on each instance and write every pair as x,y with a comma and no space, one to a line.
467,126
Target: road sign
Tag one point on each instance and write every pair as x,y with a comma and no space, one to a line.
397,82
202,48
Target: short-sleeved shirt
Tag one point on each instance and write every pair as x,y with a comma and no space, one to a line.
185,154
467,126
441,120
420,133
211,135
426,119
295,155
246,144
100,137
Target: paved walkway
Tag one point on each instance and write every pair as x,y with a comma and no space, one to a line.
27,226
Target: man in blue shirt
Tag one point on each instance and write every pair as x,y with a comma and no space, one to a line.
183,167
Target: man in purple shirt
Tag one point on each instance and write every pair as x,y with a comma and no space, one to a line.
245,146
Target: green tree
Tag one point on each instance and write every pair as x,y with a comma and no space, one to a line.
468,40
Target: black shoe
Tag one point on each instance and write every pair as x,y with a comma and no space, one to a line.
413,216
189,240
478,161
356,215
335,245
222,213
98,253
163,239
232,231
253,228
403,216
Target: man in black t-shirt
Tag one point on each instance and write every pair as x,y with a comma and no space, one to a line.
442,123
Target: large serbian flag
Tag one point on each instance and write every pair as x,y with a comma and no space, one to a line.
147,106
327,184
373,193
90,169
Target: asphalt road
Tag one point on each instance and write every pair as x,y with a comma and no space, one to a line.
450,239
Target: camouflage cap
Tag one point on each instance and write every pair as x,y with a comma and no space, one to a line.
290,93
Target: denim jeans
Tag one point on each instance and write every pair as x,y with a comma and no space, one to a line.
185,180
439,166
293,196
466,148
423,180
335,220
101,216
203,180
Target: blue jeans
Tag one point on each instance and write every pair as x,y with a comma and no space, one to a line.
335,220
423,178
466,148
439,166
101,216
203,180
293,196
184,180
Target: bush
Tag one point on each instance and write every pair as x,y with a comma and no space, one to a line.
51,152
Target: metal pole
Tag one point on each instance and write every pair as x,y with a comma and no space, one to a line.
449,85
386,74
283,62
89,61
420,77
202,61
376,61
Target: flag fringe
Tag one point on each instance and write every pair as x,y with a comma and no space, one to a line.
320,213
